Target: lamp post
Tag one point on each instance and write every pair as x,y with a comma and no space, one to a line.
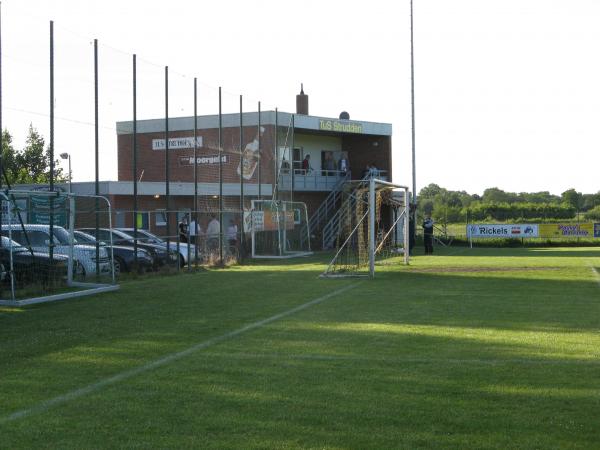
68,156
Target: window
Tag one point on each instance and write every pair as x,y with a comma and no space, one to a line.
160,217
297,158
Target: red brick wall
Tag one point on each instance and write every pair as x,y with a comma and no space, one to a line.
362,151
152,162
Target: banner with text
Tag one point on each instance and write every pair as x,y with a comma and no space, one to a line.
502,231
566,230
178,143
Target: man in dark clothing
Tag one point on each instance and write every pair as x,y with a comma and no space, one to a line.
428,235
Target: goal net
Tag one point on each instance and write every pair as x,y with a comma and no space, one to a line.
279,229
370,229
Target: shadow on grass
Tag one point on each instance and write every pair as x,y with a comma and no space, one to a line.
576,252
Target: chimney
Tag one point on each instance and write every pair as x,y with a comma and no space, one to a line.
302,102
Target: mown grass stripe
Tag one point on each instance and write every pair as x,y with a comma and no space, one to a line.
47,404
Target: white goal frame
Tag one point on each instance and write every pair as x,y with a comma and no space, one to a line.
282,241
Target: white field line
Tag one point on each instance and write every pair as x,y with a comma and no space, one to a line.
47,404
401,360
596,274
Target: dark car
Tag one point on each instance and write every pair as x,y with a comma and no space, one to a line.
30,267
124,257
159,253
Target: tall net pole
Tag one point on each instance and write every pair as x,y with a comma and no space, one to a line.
167,193
241,180
135,181
96,157
412,103
51,147
195,213
259,158
276,153
220,178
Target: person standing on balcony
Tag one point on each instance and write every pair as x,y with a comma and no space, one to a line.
306,165
343,165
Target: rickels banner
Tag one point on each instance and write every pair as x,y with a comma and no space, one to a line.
503,231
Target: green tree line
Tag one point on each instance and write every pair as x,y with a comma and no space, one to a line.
30,164
447,206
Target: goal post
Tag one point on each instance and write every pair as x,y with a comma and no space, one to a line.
371,228
278,229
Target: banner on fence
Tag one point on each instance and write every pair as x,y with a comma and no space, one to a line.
597,230
43,207
503,231
269,220
566,230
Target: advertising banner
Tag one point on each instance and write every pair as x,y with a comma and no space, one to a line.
202,160
566,230
503,231
179,143
41,208
597,230
268,220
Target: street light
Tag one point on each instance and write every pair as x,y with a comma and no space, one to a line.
68,156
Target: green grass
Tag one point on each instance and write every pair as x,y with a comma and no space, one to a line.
483,349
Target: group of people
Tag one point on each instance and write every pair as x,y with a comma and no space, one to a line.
371,171
328,166
196,234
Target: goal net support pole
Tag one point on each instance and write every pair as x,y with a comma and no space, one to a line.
349,246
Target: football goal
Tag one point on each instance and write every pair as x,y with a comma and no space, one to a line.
370,228
279,229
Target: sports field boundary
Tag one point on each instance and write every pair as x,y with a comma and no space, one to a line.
77,393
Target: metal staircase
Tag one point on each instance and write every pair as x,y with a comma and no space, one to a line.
327,208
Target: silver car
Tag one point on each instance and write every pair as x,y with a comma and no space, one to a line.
38,238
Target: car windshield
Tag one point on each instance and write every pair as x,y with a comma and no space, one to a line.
84,238
61,235
16,247
151,237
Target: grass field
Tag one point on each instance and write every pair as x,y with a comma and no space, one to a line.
482,349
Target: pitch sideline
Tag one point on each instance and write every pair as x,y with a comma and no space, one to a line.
47,404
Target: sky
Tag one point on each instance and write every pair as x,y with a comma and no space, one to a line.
507,92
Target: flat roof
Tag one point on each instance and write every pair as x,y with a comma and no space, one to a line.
326,125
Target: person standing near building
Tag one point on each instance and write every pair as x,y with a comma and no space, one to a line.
232,231
428,235
183,229
213,230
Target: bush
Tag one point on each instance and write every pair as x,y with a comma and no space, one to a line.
593,214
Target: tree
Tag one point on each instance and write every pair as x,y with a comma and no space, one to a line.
495,195
430,191
573,198
9,162
33,161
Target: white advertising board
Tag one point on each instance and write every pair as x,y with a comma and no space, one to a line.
176,143
524,230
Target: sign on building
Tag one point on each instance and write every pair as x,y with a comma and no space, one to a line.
179,143
202,160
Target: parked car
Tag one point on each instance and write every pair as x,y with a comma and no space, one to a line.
38,238
147,237
158,252
29,266
123,257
